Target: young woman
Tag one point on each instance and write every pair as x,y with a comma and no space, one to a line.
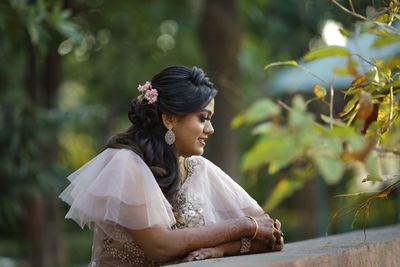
150,196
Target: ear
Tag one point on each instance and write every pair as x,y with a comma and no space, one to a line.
168,120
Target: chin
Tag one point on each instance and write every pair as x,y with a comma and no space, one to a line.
192,151
197,152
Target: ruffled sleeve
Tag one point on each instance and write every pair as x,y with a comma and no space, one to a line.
222,198
117,187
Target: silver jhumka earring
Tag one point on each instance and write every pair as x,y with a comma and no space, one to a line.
169,136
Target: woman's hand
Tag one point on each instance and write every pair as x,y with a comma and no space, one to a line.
205,253
269,230
278,246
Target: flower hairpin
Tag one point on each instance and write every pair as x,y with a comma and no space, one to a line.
148,93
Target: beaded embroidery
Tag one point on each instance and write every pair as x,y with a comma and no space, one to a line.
188,213
186,207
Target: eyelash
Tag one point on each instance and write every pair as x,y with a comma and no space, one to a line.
203,119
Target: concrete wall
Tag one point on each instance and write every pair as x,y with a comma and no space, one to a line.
377,247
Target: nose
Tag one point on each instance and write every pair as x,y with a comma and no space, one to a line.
208,128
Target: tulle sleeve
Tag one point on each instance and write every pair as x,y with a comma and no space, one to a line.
117,187
222,198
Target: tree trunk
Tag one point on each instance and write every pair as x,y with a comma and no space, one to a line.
42,226
35,220
42,211
220,38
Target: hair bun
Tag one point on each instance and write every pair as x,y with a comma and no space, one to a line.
198,77
143,116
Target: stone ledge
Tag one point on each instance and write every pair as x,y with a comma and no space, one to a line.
379,247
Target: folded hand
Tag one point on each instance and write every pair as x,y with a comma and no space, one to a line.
269,230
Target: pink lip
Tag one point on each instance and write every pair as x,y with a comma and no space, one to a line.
202,141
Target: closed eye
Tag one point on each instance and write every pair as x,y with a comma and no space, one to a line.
204,118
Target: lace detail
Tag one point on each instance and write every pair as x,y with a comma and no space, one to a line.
191,164
188,213
186,207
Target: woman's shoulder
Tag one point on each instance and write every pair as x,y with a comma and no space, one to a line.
206,167
110,158
121,154
117,187
202,161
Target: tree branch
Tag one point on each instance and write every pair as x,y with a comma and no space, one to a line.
348,11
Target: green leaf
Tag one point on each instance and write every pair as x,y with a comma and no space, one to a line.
332,121
69,29
344,132
331,168
281,63
371,164
263,128
299,118
344,32
260,110
284,189
329,51
277,150
350,106
298,103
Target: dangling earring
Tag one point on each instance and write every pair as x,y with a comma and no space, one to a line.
169,136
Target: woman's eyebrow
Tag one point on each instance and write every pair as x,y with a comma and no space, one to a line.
207,110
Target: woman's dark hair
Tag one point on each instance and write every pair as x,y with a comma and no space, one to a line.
181,91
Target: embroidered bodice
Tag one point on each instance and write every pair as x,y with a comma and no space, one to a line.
122,250
116,191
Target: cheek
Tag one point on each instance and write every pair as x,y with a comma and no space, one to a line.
194,127
191,130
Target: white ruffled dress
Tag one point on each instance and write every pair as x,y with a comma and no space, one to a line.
116,191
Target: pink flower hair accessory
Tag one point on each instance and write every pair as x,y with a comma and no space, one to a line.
148,93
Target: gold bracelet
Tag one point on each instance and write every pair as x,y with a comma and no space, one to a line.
255,221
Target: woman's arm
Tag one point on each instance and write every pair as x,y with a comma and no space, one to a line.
233,248
256,246
163,245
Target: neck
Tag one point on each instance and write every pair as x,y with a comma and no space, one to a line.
182,168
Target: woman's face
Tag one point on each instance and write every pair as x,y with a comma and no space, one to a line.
192,131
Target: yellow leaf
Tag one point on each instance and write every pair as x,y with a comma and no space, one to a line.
342,71
387,40
319,91
281,63
359,81
344,32
384,194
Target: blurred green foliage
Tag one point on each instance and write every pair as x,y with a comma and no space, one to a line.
27,125
55,116
300,146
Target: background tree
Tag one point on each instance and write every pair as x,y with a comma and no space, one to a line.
68,70
220,38
31,75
